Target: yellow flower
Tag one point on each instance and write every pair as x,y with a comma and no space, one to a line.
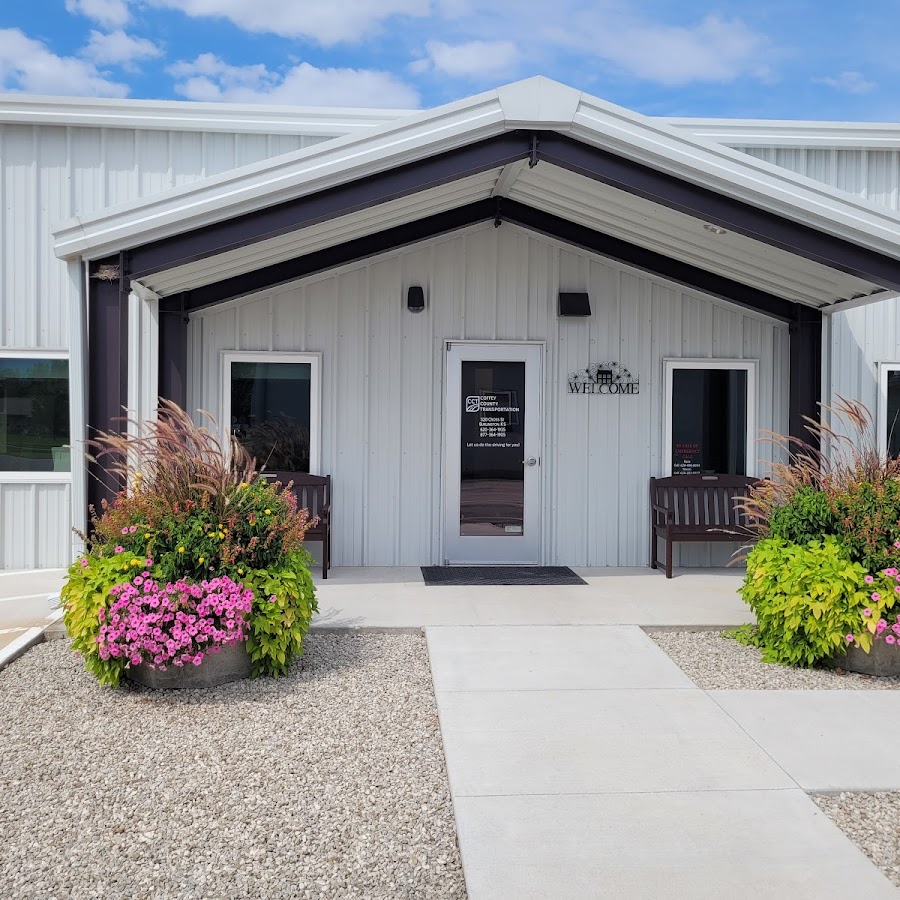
147,537
221,536
268,512
135,562
243,484
201,560
181,549
240,571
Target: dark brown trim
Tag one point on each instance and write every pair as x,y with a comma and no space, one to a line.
485,210
341,254
173,324
292,215
726,212
555,149
805,371
648,261
107,368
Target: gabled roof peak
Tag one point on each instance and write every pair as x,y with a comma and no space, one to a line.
539,100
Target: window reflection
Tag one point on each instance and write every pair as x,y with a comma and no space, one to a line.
34,415
270,412
709,421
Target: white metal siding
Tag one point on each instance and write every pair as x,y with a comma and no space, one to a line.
49,174
35,524
382,382
871,174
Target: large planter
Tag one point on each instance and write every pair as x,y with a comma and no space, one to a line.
883,659
231,663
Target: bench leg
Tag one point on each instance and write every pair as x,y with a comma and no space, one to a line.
668,556
652,545
326,555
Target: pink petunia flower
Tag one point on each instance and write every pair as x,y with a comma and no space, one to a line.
84,563
120,548
867,611
133,529
876,596
849,638
882,624
890,639
868,579
125,530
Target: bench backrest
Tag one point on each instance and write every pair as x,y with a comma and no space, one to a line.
313,492
702,500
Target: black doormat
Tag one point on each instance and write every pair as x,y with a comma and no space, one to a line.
497,575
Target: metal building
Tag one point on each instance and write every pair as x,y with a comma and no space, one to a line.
490,322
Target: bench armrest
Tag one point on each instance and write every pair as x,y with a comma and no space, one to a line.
664,510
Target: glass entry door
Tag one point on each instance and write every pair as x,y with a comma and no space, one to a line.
493,453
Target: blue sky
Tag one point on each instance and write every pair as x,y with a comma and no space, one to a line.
828,59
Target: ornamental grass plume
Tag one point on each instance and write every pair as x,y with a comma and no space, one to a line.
842,456
176,458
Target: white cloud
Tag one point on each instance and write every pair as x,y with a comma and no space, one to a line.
119,49
474,59
326,21
27,65
597,36
714,49
210,78
110,13
848,83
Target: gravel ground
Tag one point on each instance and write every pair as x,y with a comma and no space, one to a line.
327,783
872,822
717,663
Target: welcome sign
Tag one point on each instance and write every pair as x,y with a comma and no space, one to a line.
603,378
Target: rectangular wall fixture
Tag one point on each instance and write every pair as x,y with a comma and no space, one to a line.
574,304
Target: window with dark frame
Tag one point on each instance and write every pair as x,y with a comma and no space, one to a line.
34,414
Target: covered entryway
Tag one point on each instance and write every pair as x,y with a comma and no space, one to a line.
657,204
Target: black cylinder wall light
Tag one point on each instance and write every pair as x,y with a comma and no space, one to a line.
415,298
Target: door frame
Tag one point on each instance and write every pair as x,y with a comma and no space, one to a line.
541,410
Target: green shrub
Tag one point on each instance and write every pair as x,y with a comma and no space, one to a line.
869,516
84,594
807,517
278,626
806,599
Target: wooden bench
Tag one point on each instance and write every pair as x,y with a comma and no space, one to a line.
696,508
313,493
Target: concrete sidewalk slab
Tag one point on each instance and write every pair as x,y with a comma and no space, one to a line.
743,845
549,658
564,742
27,598
826,740
393,598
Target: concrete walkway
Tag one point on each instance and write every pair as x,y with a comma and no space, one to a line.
26,600
584,764
398,597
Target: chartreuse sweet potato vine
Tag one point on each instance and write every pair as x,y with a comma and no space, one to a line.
806,599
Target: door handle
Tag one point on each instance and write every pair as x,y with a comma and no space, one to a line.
531,461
